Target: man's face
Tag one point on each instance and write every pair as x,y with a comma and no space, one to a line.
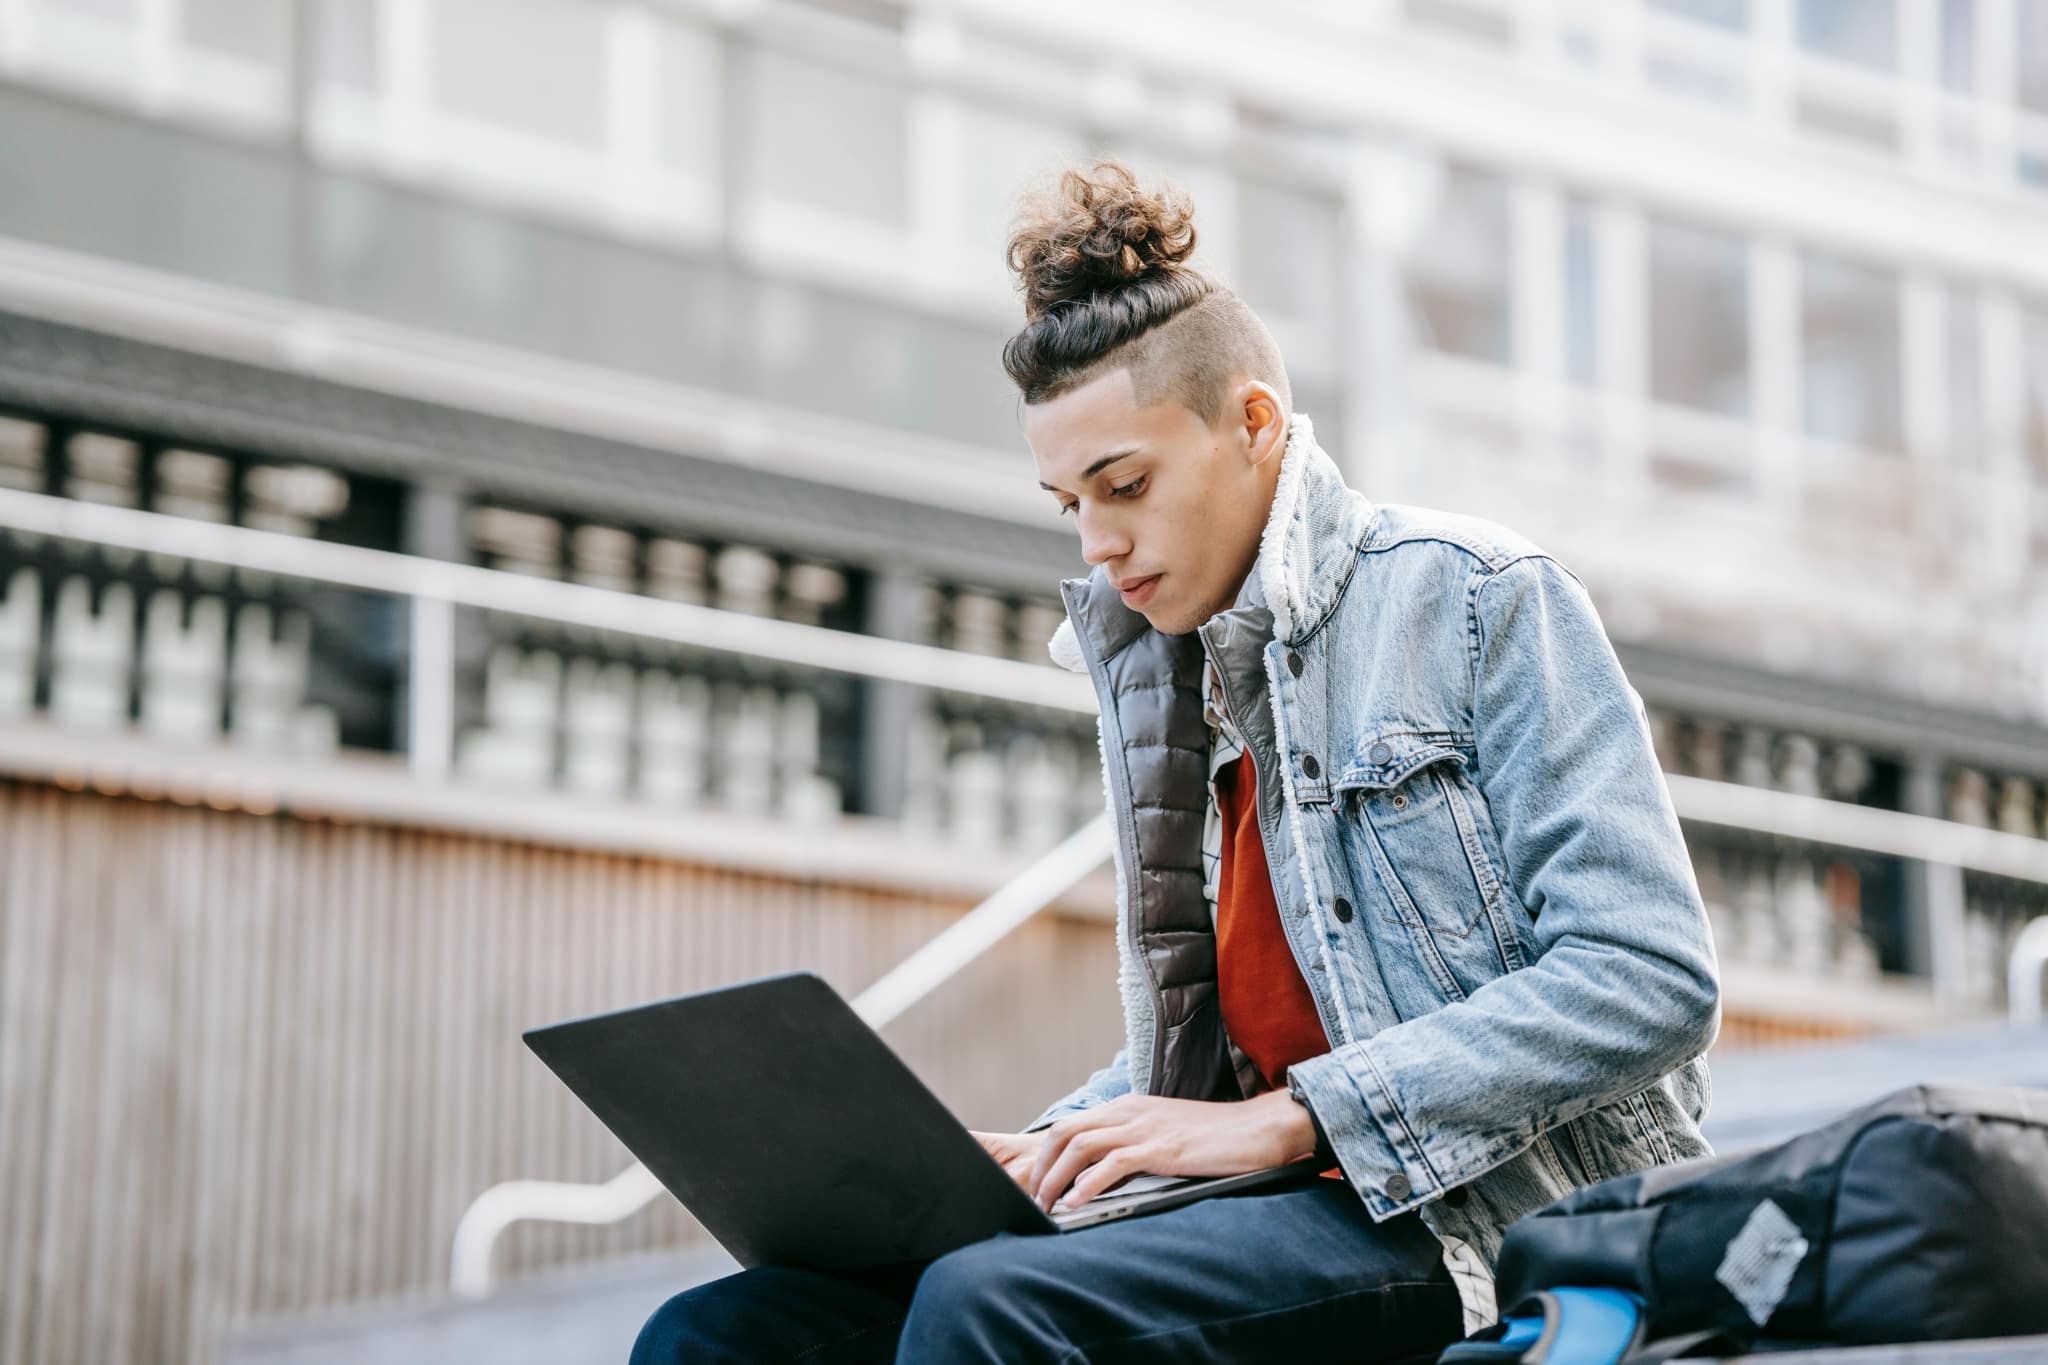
1170,506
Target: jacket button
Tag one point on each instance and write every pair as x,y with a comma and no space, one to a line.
1381,753
1343,909
1311,767
1294,663
1397,1187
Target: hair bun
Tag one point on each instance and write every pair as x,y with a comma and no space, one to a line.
1096,232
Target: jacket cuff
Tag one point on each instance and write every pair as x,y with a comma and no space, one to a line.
1352,1105
1051,1116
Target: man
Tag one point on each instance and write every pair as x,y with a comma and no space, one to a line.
1399,880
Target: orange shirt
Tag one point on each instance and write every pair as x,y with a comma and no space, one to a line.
1267,1008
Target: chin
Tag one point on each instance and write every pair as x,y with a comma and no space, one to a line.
1171,622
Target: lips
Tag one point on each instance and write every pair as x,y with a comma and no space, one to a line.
1136,590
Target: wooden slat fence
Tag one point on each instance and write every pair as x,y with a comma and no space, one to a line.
252,1065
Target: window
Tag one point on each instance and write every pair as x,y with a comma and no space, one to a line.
1459,279
821,137
115,11
1959,45
255,30
1581,299
345,44
1699,318
1849,324
1474,22
1288,256
1728,14
1859,31
536,66
687,109
2030,44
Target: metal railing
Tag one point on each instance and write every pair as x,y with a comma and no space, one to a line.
449,584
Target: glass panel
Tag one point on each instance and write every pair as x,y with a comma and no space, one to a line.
120,11
1581,302
839,354
536,66
1288,255
89,179
1959,45
1459,279
1849,321
827,138
1476,22
1859,31
253,29
686,139
345,43
1728,14
460,268
1693,82
2030,42
1699,318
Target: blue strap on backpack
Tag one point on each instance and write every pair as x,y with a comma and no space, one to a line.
1558,1327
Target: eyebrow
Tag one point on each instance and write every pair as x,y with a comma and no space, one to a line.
1092,470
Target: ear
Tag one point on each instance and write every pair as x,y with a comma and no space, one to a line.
1263,422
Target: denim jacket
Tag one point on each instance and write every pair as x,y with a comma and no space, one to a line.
1475,857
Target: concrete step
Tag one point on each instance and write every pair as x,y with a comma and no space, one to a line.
585,1316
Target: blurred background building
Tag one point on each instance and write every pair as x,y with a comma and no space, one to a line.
432,433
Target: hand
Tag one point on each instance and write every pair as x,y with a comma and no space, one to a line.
1015,1151
1098,1147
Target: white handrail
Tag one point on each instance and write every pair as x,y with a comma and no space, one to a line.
2023,973
1701,800
1843,824
470,585
497,1208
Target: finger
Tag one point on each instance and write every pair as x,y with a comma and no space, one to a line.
1063,1132
1084,1151
1055,1141
1105,1173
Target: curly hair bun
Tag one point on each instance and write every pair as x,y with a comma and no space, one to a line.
1096,232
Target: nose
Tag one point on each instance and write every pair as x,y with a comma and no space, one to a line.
1101,540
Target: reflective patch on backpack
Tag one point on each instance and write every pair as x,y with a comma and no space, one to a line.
1760,1261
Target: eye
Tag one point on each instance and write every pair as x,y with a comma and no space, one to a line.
1129,490
1067,508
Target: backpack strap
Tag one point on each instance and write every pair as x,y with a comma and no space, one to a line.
1558,1327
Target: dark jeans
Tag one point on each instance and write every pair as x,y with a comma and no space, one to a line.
1302,1273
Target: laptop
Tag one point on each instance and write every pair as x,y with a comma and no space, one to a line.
792,1132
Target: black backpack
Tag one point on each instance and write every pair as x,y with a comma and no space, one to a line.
1920,1217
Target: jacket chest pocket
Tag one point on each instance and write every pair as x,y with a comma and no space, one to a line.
1415,822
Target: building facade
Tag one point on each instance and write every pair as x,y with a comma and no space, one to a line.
1739,307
